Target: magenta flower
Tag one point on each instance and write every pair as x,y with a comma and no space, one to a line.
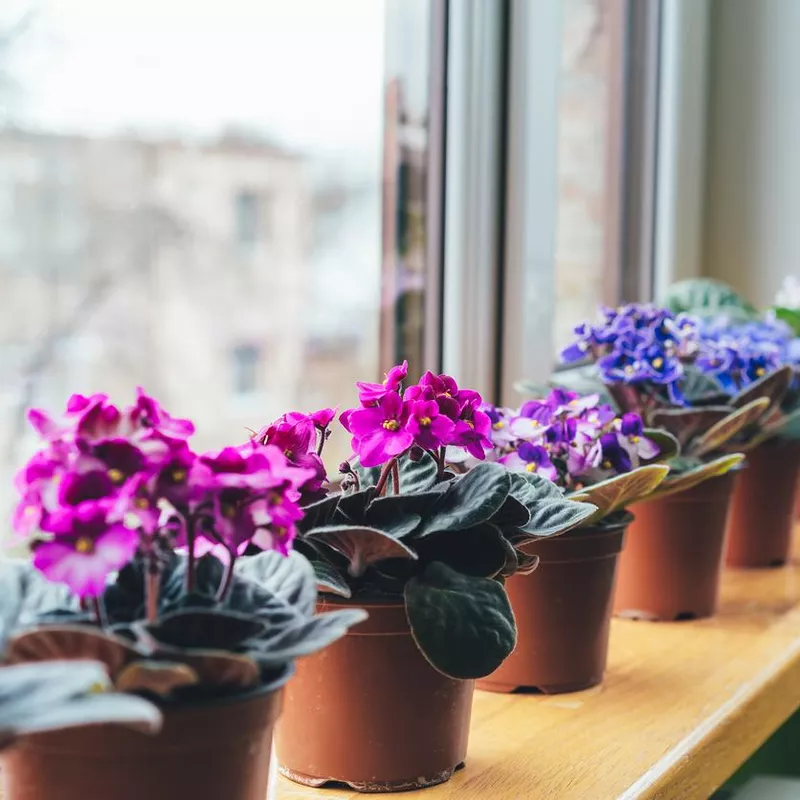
88,416
87,548
380,432
323,417
372,393
472,431
430,429
149,415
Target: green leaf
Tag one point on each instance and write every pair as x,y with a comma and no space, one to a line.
773,387
615,493
415,476
399,514
529,488
361,546
463,625
789,426
330,580
512,514
469,499
289,578
479,551
551,517
791,316
727,429
707,297
667,444
693,477
686,423
700,389
54,695
319,513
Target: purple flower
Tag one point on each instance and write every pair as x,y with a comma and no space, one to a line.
371,393
323,418
380,432
633,440
87,548
430,429
148,414
472,430
615,456
531,458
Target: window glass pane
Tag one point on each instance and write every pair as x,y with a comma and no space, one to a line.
190,200
590,125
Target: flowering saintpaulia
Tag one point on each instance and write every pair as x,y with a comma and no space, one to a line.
86,547
572,440
432,414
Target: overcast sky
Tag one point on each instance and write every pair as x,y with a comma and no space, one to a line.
308,72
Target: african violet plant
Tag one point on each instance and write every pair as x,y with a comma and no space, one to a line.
649,361
405,528
746,353
584,447
136,544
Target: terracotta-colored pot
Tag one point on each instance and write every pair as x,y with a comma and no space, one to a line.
563,613
206,752
763,509
672,562
369,711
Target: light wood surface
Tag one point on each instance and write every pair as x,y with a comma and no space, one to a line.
683,705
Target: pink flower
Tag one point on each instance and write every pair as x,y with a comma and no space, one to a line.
323,417
472,431
430,429
149,415
380,432
372,393
87,548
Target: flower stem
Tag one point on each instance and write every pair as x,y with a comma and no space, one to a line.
153,580
190,565
323,437
441,459
385,472
396,477
98,612
227,578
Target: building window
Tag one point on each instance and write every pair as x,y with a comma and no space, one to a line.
247,208
245,361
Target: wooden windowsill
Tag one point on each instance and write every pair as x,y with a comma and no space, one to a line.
683,705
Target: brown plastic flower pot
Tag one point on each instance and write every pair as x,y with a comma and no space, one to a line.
671,566
763,509
207,752
370,712
563,613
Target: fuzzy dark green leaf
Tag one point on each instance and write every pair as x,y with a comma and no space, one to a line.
553,516
361,546
463,625
707,297
479,550
289,578
330,580
469,500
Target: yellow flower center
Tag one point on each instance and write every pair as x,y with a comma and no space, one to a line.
498,425
276,498
658,362
606,464
84,545
179,475
228,511
760,371
288,453
116,475
628,370
424,421
530,467
635,439
391,424
470,423
140,502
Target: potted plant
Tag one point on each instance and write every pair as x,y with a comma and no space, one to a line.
426,551
135,564
648,360
750,353
594,456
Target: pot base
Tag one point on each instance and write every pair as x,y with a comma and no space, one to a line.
560,688
369,787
